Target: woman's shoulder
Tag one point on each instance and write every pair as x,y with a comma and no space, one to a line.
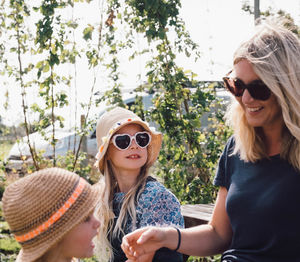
229,147
230,142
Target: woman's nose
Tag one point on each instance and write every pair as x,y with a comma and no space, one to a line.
246,97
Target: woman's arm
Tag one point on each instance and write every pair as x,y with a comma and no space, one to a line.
203,240
210,239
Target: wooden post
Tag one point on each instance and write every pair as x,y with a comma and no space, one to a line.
256,10
84,142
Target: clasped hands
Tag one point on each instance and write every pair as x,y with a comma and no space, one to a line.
142,242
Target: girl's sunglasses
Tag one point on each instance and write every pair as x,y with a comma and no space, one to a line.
123,141
257,88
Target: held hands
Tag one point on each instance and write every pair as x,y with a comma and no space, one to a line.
143,241
143,258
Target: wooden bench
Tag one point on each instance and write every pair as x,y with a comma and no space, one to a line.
198,214
195,215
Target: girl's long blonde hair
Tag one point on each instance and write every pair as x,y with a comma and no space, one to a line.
105,209
274,53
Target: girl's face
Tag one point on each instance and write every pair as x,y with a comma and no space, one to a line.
132,158
78,242
266,114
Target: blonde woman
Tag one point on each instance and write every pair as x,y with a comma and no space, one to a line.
256,215
128,147
51,214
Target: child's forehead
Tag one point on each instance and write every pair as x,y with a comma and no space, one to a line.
130,128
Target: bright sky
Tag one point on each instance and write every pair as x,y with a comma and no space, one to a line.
218,27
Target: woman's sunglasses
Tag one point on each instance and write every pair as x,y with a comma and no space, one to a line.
257,88
123,141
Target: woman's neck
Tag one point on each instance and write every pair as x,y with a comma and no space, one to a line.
273,135
273,140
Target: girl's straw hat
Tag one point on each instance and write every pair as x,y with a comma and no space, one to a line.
111,121
42,207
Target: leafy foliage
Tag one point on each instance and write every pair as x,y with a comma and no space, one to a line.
289,21
189,153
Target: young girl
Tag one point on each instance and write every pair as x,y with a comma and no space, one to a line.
128,147
50,212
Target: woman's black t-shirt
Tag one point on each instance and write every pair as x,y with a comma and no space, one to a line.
263,205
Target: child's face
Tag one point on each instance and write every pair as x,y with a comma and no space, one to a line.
132,158
78,242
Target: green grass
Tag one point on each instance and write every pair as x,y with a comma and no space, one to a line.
3,226
9,246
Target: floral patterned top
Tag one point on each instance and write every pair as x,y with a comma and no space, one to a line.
156,206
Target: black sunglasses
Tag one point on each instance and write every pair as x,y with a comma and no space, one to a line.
123,141
257,88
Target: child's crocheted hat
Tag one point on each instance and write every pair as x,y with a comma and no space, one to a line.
42,207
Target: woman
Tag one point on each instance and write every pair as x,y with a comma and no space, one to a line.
256,215
50,212
128,147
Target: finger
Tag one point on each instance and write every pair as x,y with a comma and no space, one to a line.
125,246
128,251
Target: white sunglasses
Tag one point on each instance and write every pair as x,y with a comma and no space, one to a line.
123,141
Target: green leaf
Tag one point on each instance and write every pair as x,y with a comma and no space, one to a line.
88,33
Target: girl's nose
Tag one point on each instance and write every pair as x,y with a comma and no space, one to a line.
133,144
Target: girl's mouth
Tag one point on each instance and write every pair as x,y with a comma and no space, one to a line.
134,156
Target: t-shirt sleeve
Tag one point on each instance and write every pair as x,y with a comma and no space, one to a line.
157,206
222,177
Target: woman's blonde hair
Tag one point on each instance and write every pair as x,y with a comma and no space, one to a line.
274,53
103,248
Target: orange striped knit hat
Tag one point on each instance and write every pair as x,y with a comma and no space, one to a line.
42,207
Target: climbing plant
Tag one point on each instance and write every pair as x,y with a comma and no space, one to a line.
189,153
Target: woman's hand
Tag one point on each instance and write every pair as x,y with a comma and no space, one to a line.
143,258
143,241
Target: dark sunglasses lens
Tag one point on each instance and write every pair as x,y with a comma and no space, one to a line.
233,87
258,90
122,141
142,139
227,85
239,87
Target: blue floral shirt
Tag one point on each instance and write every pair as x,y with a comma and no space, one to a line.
156,206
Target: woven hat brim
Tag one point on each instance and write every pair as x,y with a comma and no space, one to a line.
90,203
154,147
